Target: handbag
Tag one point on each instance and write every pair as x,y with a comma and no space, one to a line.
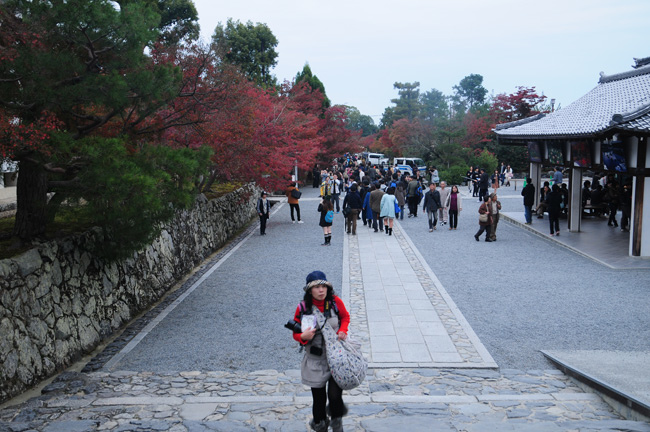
346,211
397,208
295,193
483,218
346,362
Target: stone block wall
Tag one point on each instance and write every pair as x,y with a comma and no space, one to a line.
58,302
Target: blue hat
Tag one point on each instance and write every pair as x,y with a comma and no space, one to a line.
315,278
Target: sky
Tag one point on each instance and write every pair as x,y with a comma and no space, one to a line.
360,48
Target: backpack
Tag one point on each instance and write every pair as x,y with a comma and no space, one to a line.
295,193
329,216
327,312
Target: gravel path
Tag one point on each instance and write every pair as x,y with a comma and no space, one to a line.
235,319
523,294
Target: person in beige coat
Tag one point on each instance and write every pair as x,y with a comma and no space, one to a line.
314,370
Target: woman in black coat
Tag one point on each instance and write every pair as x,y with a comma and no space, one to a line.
354,204
554,208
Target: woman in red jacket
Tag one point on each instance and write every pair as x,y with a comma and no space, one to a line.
315,371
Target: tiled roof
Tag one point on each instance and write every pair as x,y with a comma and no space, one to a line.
620,101
641,124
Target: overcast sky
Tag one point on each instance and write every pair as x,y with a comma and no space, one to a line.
359,48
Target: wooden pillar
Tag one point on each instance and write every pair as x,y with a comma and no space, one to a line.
640,243
575,198
536,177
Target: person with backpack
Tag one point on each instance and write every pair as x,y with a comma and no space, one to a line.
314,370
352,201
326,210
293,195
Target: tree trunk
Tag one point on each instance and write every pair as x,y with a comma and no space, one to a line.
31,214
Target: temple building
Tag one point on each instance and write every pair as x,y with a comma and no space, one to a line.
605,131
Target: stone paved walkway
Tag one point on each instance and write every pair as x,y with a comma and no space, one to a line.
390,400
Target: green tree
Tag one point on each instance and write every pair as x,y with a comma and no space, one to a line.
470,94
308,77
407,105
360,122
249,46
434,106
178,19
72,70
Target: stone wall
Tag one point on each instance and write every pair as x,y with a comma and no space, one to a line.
58,302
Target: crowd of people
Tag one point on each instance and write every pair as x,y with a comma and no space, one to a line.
604,195
377,196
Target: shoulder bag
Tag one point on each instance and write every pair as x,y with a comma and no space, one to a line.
484,217
347,364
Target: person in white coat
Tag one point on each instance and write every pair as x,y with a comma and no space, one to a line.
387,211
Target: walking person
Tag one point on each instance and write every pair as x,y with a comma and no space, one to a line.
483,185
366,209
401,199
495,210
612,197
554,209
315,173
375,205
412,196
443,211
353,201
431,206
363,191
387,209
508,175
263,211
484,220
336,192
314,370
528,192
293,201
626,205
495,180
476,175
455,206
326,210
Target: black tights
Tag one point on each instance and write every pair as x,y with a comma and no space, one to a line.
335,396
297,207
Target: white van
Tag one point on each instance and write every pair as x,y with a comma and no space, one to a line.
408,164
376,158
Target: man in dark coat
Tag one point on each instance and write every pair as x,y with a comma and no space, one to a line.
431,205
528,192
483,185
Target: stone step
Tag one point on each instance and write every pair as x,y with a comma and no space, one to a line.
389,400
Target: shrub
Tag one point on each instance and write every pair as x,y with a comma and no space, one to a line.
454,175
